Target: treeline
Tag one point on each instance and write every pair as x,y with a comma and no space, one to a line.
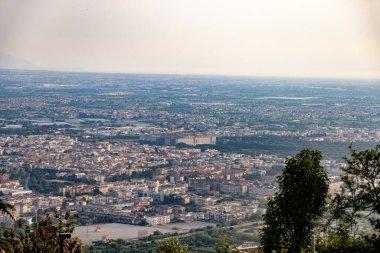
16,173
114,138
148,174
32,130
40,180
284,146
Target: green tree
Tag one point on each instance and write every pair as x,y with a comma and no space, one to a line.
225,247
360,194
172,245
157,232
42,237
358,200
6,208
293,211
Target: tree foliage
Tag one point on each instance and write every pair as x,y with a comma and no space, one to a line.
360,195
358,201
337,242
293,211
225,247
6,208
172,245
42,237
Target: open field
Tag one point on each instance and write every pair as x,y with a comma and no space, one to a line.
126,231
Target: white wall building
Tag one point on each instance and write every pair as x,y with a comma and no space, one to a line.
158,219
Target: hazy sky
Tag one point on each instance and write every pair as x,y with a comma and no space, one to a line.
322,38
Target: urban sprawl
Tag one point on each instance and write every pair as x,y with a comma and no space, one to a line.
148,150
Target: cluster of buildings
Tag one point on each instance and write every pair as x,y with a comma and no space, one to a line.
177,139
183,184
26,204
241,188
342,134
315,134
109,150
130,182
101,161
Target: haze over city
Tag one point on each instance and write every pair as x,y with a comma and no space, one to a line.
316,38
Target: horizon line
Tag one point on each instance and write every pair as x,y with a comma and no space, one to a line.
192,74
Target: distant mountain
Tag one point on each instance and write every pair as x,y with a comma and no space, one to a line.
11,62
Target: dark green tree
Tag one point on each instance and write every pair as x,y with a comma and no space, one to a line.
225,247
358,200
42,237
6,208
360,194
293,211
172,245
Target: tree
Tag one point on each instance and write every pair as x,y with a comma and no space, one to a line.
358,200
360,194
293,211
42,237
225,247
6,208
157,232
172,245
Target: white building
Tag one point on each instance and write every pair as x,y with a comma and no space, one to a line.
158,219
